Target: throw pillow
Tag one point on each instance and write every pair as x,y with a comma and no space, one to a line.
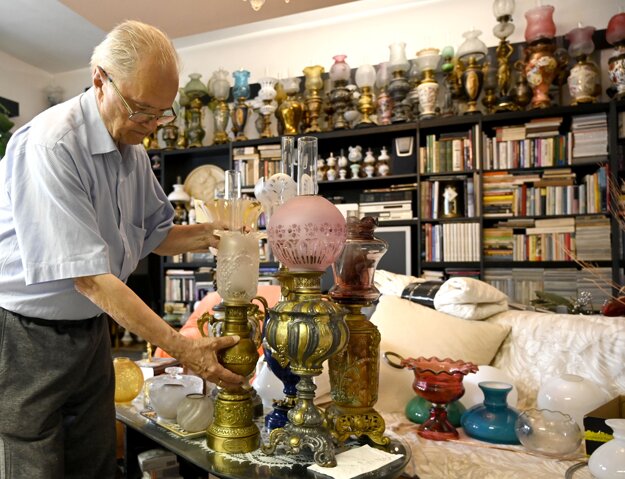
412,330
469,298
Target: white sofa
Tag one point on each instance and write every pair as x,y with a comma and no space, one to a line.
529,346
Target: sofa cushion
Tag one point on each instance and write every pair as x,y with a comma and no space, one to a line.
413,330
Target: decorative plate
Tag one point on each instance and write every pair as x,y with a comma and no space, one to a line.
171,426
203,181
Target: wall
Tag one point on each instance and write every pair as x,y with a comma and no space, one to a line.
23,83
361,30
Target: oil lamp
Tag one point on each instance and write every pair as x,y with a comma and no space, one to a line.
267,95
398,86
428,60
313,84
365,78
241,93
503,10
471,55
290,111
584,80
233,429
306,235
541,65
221,91
384,102
340,73
354,372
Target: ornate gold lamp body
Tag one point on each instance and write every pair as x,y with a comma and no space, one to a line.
290,111
365,79
313,84
240,91
221,91
267,94
502,99
354,372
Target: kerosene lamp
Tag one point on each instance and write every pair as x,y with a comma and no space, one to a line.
306,234
354,372
233,429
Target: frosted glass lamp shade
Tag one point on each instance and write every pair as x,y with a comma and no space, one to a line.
615,33
428,58
365,76
581,43
503,8
472,46
398,60
382,76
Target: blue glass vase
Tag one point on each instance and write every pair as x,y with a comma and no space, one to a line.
241,88
493,420
278,417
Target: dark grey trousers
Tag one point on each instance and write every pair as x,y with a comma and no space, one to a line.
57,411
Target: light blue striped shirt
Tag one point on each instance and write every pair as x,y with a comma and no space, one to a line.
71,205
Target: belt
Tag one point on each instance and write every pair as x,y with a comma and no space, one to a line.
57,323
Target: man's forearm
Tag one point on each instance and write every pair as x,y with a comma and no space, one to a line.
129,311
187,238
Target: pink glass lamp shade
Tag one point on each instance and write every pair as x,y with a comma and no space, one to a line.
340,70
307,233
540,23
580,41
615,33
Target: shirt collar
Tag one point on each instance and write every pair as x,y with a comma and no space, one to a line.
100,140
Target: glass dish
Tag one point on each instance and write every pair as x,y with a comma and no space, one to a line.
547,432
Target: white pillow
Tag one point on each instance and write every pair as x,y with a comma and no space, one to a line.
469,298
412,330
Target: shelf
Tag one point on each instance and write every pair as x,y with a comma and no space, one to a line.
525,116
365,181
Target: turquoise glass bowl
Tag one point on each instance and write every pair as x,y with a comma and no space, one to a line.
492,421
418,411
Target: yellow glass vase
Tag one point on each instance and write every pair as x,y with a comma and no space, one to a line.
128,379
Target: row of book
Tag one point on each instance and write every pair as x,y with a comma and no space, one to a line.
582,238
451,242
539,143
256,161
448,152
188,285
551,192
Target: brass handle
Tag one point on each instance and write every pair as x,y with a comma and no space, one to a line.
202,320
387,357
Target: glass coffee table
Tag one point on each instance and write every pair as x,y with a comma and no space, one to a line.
197,460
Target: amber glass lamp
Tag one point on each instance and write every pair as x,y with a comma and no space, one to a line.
354,372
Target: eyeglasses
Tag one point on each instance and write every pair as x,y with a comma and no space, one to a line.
141,116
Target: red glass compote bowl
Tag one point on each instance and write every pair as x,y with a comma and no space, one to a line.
440,382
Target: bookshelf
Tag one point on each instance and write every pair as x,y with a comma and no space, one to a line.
510,198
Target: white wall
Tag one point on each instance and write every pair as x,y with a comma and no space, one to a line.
23,83
361,30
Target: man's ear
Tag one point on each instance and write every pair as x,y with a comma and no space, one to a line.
97,77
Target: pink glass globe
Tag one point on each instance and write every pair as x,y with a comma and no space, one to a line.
307,233
615,32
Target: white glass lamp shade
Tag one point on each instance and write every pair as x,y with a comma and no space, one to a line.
398,60
179,194
503,8
365,76
571,394
472,46
382,76
237,266
221,86
428,58
267,90
290,85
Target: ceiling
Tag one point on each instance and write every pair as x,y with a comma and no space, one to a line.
59,35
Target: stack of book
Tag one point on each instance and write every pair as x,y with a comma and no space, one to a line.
590,138
158,463
592,238
254,162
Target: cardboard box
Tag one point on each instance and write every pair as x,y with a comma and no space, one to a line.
597,432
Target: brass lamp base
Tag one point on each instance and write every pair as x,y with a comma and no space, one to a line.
233,430
305,428
354,376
